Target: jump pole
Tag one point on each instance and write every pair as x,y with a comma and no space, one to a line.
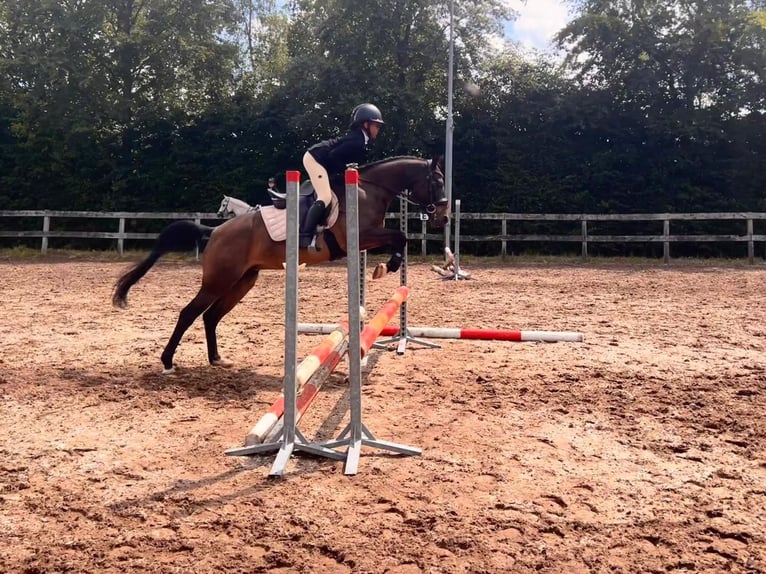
311,389
490,334
466,334
303,373
292,439
367,339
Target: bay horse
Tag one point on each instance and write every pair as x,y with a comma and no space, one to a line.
241,247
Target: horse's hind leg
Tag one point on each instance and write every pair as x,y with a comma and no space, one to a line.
188,314
219,309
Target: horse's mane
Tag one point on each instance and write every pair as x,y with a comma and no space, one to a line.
387,160
237,200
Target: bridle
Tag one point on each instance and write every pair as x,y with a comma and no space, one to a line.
433,191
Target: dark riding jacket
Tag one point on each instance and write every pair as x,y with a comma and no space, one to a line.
335,153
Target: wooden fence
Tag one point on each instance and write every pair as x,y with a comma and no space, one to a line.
46,230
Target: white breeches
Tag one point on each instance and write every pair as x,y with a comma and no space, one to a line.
319,178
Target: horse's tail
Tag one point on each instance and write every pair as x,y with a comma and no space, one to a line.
178,236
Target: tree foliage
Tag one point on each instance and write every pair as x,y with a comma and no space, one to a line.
671,55
158,104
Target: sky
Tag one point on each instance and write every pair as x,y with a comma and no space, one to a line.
538,21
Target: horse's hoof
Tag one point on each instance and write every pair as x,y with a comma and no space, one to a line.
169,371
222,363
380,270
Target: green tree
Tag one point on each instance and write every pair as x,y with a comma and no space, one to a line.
262,35
676,78
390,52
671,54
87,79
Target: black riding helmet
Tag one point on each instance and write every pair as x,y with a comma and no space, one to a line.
366,113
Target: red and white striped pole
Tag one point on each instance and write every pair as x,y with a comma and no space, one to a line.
373,329
367,338
312,387
303,372
487,334
458,333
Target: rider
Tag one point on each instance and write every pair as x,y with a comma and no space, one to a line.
272,186
330,157
276,196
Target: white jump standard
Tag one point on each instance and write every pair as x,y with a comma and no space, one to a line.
451,267
403,335
356,434
292,439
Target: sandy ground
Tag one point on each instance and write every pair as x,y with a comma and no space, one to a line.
642,449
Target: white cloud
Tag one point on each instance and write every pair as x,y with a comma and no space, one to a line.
538,22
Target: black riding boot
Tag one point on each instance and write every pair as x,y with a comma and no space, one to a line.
314,217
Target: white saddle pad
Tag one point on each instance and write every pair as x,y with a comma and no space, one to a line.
276,219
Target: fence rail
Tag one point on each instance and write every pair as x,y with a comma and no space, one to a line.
584,237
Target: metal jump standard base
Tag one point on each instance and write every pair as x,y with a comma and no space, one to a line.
355,435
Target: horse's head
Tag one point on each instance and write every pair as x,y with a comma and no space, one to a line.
231,206
428,192
420,181
223,209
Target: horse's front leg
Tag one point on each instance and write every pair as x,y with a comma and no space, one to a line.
396,240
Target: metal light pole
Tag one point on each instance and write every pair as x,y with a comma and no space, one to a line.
450,125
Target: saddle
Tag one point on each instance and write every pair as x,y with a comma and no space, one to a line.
306,194
275,217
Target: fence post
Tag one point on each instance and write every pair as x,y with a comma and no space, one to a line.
666,238
503,242
46,229
121,238
198,221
